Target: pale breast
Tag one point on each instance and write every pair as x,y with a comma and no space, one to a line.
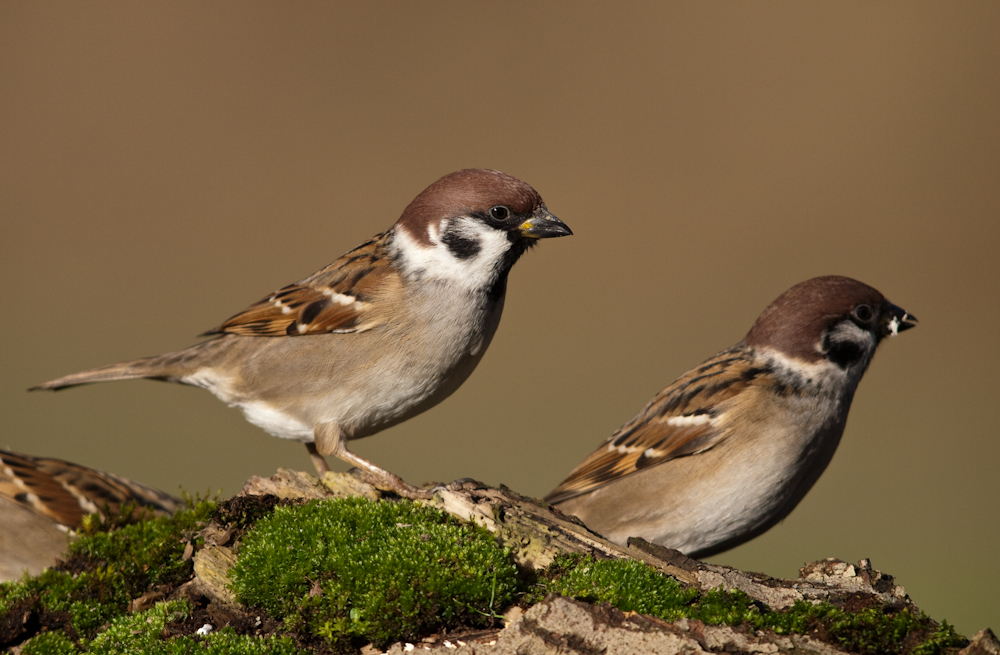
364,381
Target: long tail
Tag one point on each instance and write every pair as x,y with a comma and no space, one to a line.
172,367
140,368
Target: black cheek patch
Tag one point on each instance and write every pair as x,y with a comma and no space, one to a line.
842,353
460,246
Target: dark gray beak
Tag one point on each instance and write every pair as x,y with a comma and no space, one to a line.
896,320
543,225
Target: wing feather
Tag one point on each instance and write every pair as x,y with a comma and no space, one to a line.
681,420
64,492
338,298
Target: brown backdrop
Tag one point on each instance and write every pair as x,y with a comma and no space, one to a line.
165,164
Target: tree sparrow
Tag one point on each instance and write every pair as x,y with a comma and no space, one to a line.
731,447
387,331
42,500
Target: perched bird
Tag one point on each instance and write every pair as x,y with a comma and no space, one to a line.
730,448
387,331
44,500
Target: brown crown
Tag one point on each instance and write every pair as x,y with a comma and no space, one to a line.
465,191
794,322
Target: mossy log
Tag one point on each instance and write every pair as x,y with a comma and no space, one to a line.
185,575
536,534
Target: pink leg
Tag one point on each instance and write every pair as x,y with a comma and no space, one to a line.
330,441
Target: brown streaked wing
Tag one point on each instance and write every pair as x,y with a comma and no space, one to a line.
64,492
21,482
335,299
650,438
107,491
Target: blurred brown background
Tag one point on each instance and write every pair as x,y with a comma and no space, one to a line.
163,165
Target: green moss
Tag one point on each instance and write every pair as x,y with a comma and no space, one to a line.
379,571
139,632
872,630
942,639
629,585
350,571
146,553
634,586
103,571
14,593
718,607
50,643
142,633
86,600
91,598
227,642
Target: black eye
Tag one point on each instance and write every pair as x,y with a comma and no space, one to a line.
499,212
863,313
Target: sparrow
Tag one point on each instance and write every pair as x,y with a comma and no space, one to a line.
388,330
44,500
730,448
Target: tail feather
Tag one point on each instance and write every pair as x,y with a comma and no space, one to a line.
148,367
173,367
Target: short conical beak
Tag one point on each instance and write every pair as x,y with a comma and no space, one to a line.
543,225
896,320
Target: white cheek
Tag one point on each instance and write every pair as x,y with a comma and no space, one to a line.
437,262
894,326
